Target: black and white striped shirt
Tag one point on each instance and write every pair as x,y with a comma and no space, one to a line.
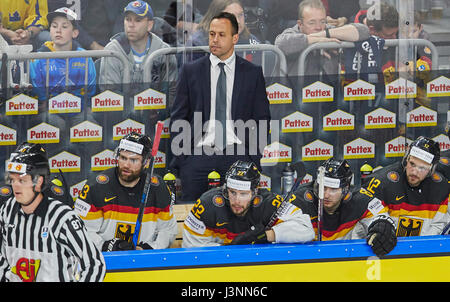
51,244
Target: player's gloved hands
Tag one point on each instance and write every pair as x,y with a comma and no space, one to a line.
381,236
145,246
256,234
117,244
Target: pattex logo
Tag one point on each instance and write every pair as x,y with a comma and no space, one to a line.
127,126
379,118
107,101
43,134
149,99
8,136
317,150
401,88
276,152
21,105
64,103
86,132
317,92
279,94
65,161
103,160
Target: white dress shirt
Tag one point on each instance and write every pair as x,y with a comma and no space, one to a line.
230,67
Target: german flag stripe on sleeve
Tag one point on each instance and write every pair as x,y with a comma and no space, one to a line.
127,213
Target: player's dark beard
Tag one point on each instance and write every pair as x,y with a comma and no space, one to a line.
129,178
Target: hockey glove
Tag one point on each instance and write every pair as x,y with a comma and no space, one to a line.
256,234
381,236
117,244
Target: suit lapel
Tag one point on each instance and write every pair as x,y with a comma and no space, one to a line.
205,74
238,83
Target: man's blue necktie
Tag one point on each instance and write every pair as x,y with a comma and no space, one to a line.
221,109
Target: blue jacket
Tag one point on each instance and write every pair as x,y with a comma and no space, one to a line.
57,75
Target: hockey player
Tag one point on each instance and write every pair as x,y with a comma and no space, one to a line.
346,214
238,213
55,190
416,195
109,202
42,239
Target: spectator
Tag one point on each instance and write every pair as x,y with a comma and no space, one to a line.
84,38
45,229
382,20
416,195
239,212
184,19
346,214
109,202
102,19
218,89
311,28
274,16
136,44
24,21
200,36
63,31
3,42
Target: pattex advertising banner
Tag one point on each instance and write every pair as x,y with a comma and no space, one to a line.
317,118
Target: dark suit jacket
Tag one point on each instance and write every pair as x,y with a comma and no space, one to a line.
193,94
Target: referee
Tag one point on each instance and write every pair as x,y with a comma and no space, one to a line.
42,239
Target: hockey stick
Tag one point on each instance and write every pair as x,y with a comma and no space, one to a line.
446,229
320,180
299,167
147,185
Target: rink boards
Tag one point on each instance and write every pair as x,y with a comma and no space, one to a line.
413,259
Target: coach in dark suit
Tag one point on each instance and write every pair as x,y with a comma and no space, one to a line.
218,90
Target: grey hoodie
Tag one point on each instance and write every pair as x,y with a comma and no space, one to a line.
111,69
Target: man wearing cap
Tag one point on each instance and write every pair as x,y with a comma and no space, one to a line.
241,213
109,201
63,31
136,43
415,193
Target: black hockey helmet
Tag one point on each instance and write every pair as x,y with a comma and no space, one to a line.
431,148
30,158
242,175
338,173
425,149
137,143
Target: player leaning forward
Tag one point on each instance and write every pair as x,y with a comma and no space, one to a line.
346,214
415,193
42,239
239,213
109,202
